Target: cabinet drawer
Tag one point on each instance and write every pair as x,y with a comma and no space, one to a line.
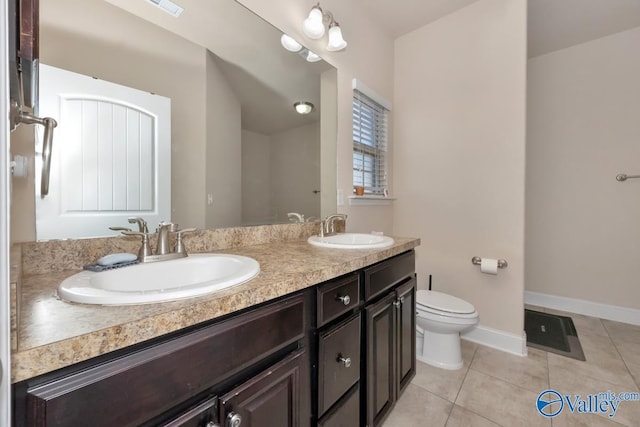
380,277
132,389
338,297
339,362
346,413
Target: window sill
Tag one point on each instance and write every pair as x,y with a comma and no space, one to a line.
370,200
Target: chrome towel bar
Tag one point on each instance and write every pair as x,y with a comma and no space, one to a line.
502,263
623,177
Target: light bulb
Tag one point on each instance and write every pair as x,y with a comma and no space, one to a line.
312,57
290,44
313,27
336,42
303,107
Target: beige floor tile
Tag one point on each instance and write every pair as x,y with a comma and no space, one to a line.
443,382
418,407
500,401
528,372
629,351
584,324
461,417
603,363
635,372
583,420
622,331
568,383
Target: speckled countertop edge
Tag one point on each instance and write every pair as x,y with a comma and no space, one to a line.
54,334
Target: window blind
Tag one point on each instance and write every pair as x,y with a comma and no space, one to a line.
369,144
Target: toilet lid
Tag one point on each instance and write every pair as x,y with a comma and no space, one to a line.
444,302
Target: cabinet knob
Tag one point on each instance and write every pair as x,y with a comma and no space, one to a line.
346,300
234,420
397,303
346,361
212,424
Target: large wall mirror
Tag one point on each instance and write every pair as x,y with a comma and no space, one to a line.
240,154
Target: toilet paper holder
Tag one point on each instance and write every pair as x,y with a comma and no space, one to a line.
502,263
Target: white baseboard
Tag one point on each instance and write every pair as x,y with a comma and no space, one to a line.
499,340
589,308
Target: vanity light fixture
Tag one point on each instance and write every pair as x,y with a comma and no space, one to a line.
303,107
314,28
311,57
168,6
290,44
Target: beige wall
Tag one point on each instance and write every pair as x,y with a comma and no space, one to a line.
295,171
583,129
459,109
223,150
368,57
256,178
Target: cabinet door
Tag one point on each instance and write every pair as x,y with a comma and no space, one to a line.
270,399
202,415
381,359
406,333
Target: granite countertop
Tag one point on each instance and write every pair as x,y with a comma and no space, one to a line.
53,334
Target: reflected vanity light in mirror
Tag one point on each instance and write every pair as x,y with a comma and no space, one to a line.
290,44
303,107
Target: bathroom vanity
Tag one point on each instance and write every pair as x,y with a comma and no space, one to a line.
326,338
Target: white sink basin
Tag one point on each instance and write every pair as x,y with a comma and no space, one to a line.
195,275
351,241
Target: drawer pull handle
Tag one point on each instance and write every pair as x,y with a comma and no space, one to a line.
346,361
234,420
346,300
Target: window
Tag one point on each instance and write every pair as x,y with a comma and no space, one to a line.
369,143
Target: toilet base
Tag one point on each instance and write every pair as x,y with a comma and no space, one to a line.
439,350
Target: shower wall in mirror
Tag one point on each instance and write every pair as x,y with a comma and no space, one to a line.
240,155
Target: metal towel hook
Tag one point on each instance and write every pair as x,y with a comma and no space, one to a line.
18,116
621,177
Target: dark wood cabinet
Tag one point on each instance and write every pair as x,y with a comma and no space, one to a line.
270,399
381,358
390,359
163,380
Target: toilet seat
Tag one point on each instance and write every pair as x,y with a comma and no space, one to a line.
444,305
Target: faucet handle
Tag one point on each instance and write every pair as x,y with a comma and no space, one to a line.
120,229
145,249
179,249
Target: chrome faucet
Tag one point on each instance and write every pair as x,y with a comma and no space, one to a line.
163,252
328,226
295,217
142,224
162,245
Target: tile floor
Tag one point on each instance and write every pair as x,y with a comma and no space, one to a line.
499,389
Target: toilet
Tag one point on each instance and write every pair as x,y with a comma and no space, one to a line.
439,320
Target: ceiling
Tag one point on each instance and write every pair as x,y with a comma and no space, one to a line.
552,24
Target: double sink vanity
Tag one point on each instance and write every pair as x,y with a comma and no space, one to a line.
321,336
